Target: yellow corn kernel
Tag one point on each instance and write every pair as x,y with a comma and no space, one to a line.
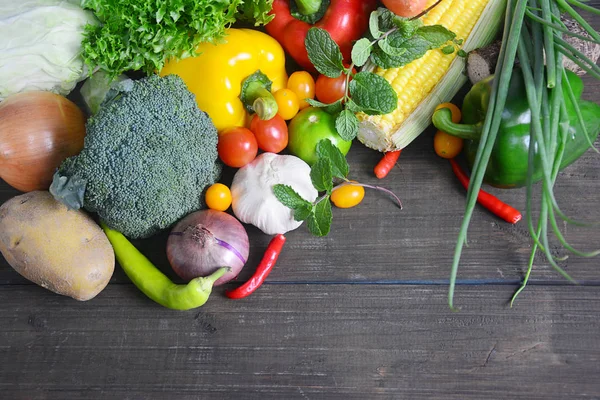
414,81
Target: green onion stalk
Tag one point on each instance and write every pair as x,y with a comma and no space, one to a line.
533,32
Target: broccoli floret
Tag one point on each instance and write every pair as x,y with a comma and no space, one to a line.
148,156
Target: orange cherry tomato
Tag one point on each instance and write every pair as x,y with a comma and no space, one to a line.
303,84
218,197
456,114
347,196
447,146
287,103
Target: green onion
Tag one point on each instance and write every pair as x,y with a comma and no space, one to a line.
530,31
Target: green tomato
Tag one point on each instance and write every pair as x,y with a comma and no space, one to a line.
310,126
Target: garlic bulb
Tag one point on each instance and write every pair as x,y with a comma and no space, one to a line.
253,201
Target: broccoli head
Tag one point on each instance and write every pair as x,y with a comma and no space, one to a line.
148,156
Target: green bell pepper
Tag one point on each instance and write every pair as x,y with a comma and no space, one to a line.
508,163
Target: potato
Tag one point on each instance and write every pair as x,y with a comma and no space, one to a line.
62,250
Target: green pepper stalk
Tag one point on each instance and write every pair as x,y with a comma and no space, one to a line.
257,97
153,283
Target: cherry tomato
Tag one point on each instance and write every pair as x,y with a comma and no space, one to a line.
456,114
447,146
218,197
346,196
303,84
237,146
287,103
329,90
271,135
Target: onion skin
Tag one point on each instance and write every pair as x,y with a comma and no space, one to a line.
38,130
198,245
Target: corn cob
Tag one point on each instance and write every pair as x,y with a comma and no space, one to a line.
434,78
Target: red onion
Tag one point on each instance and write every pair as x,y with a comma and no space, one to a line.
206,240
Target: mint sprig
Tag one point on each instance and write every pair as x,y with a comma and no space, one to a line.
393,42
330,168
327,58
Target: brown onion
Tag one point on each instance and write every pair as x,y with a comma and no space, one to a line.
38,130
205,241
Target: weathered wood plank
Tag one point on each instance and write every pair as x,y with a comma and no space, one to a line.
305,342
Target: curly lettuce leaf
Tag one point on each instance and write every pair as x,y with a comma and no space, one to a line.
256,11
142,34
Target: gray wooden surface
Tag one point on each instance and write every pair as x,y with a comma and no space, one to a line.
360,314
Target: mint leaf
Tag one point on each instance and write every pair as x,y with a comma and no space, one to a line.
289,197
386,19
332,108
407,27
324,53
448,49
373,94
321,175
424,39
319,222
436,35
391,50
374,24
361,52
462,53
302,212
346,125
352,106
339,165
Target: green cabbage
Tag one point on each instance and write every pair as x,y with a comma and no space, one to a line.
40,45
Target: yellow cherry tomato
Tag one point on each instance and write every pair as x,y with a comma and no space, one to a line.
447,146
287,103
218,197
303,84
347,196
456,114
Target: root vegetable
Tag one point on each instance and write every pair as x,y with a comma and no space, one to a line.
62,250
205,241
38,130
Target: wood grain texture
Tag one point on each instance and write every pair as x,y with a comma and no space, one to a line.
303,342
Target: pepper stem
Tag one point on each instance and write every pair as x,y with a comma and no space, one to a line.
257,97
212,278
308,7
442,119
263,102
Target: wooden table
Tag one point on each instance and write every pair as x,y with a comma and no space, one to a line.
360,314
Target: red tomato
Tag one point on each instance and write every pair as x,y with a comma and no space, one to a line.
271,135
405,8
237,146
329,90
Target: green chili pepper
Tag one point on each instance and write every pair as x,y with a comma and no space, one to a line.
153,283
508,163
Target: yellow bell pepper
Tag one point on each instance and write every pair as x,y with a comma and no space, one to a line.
217,74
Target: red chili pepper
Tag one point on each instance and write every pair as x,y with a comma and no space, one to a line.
487,200
345,20
264,269
387,162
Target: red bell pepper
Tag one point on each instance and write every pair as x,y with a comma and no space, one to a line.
345,20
